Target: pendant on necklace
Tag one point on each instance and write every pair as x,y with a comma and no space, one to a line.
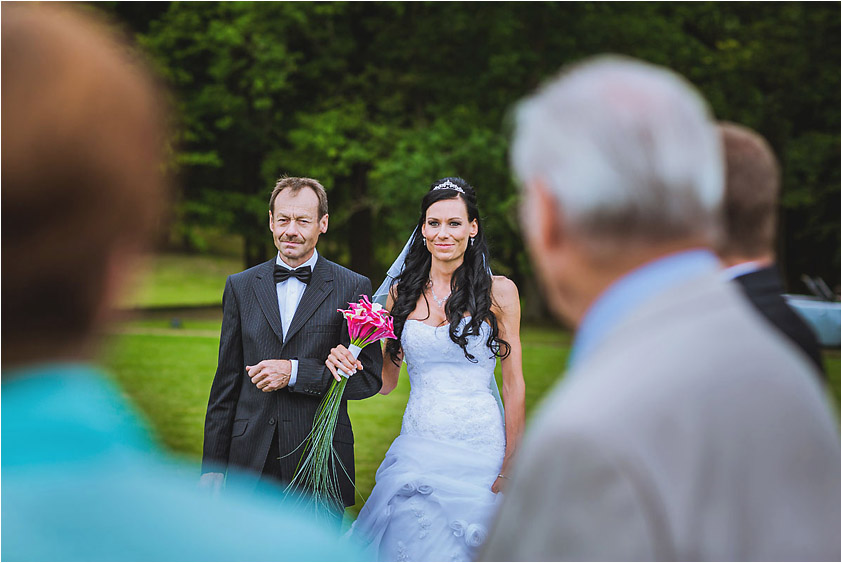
439,302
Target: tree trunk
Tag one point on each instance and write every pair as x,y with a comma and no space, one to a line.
254,249
256,236
535,309
361,246
781,250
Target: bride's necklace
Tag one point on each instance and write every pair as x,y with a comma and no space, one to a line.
439,302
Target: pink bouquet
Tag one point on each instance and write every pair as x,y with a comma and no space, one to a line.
367,322
316,474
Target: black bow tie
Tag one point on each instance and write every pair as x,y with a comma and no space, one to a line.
301,274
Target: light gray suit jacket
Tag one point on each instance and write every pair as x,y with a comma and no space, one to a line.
693,432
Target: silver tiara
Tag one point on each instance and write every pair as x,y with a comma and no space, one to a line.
448,185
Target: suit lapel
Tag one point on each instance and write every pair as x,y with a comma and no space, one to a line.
320,286
267,297
762,282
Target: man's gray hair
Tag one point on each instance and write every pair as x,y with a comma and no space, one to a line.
629,150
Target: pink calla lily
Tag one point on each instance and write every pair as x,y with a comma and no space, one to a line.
367,322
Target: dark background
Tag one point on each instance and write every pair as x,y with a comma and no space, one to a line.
378,99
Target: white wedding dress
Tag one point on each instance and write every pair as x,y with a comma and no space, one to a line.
432,500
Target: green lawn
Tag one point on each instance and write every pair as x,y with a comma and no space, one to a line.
182,279
168,372
168,376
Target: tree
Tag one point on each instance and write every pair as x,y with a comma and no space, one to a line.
377,100
230,69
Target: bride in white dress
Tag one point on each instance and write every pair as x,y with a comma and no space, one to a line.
436,490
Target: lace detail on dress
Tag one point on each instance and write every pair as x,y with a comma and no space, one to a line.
402,555
450,399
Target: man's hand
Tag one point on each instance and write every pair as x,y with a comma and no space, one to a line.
270,375
212,482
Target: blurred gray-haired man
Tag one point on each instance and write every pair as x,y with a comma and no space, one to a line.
685,429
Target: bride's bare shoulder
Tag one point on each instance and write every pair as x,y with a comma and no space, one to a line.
504,293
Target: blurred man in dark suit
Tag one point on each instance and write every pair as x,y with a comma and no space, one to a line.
747,244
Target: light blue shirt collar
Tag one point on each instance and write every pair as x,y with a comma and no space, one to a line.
311,262
742,269
632,290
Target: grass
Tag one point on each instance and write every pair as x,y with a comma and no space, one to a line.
168,373
168,376
182,279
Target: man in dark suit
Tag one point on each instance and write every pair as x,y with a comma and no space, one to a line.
280,321
746,247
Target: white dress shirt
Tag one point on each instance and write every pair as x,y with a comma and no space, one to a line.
289,295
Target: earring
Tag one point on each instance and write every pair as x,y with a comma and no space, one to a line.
472,242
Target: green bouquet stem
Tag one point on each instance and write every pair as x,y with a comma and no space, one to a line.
317,474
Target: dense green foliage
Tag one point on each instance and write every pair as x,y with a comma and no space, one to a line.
378,99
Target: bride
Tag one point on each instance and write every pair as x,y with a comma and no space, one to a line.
436,490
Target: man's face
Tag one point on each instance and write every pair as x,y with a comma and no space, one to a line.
296,226
542,233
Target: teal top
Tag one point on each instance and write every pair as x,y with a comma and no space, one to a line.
83,481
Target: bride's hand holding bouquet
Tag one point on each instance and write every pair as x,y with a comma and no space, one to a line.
367,323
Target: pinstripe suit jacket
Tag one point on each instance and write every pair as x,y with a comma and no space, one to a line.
241,419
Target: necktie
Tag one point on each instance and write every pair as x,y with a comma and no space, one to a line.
301,274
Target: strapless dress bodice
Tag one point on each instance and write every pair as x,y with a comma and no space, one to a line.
450,397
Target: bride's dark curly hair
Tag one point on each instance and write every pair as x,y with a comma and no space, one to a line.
470,284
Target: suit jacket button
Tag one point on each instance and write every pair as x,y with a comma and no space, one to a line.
271,421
